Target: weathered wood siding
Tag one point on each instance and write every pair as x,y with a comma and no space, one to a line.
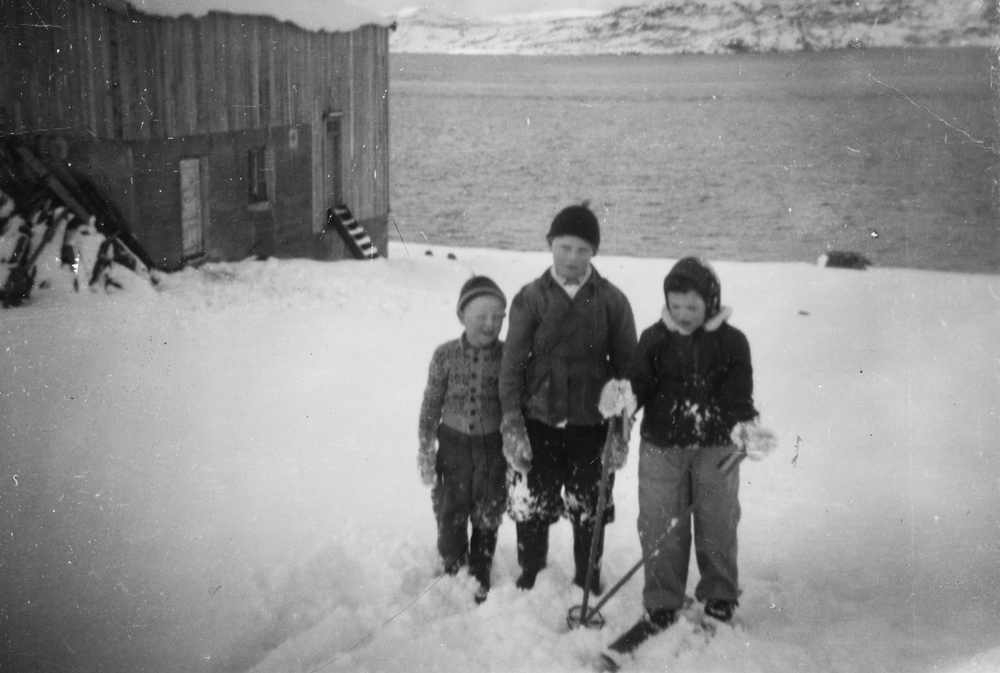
995,87
83,70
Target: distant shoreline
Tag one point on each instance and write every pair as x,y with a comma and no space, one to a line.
634,54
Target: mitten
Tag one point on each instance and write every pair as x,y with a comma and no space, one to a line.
427,463
516,447
755,441
617,398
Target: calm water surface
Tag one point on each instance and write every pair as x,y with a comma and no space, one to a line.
750,157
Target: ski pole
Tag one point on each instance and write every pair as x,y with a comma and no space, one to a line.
638,564
727,464
602,502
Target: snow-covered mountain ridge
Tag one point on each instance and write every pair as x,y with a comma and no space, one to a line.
703,26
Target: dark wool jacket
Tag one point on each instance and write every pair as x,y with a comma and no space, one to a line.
461,390
560,351
693,388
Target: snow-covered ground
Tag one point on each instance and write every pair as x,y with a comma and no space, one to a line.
701,26
221,476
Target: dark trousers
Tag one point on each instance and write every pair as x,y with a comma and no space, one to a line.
565,480
470,488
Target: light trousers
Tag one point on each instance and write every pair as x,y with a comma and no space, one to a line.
670,481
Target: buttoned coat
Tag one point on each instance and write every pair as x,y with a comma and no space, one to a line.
560,351
694,388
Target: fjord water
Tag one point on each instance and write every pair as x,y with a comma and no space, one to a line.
755,157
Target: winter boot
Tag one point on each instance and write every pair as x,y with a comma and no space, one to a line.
482,546
452,566
532,551
453,542
651,623
720,609
583,534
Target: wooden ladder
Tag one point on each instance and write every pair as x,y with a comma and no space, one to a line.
85,202
355,236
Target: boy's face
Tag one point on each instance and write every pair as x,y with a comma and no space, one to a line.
571,256
687,309
482,318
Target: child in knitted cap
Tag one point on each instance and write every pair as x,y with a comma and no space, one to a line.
693,377
460,455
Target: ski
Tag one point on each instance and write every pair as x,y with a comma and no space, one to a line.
698,629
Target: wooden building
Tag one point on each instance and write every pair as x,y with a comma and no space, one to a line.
215,137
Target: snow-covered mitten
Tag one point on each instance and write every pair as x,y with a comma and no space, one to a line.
618,402
516,447
756,441
617,398
427,463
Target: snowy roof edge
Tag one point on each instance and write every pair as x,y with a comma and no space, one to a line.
312,15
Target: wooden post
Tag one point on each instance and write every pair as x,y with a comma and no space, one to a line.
318,127
995,88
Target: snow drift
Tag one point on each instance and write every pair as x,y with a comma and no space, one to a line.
703,26
221,476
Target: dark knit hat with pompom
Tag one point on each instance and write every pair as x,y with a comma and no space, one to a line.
578,221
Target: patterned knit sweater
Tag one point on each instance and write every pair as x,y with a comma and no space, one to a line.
462,390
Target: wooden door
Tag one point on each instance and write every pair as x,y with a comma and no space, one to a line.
333,162
193,210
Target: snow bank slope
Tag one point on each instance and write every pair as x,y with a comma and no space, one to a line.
703,26
221,477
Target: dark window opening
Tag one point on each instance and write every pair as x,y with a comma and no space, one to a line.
257,175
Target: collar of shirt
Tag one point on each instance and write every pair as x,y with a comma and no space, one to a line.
571,286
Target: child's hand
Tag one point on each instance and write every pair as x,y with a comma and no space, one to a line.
427,463
516,447
755,441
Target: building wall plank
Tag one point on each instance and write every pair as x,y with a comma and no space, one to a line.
234,67
317,139
69,95
245,77
88,67
16,80
188,89
103,75
145,81
220,105
123,92
304,77
33,49
268,109
253,61
285,57
205,74
163,111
